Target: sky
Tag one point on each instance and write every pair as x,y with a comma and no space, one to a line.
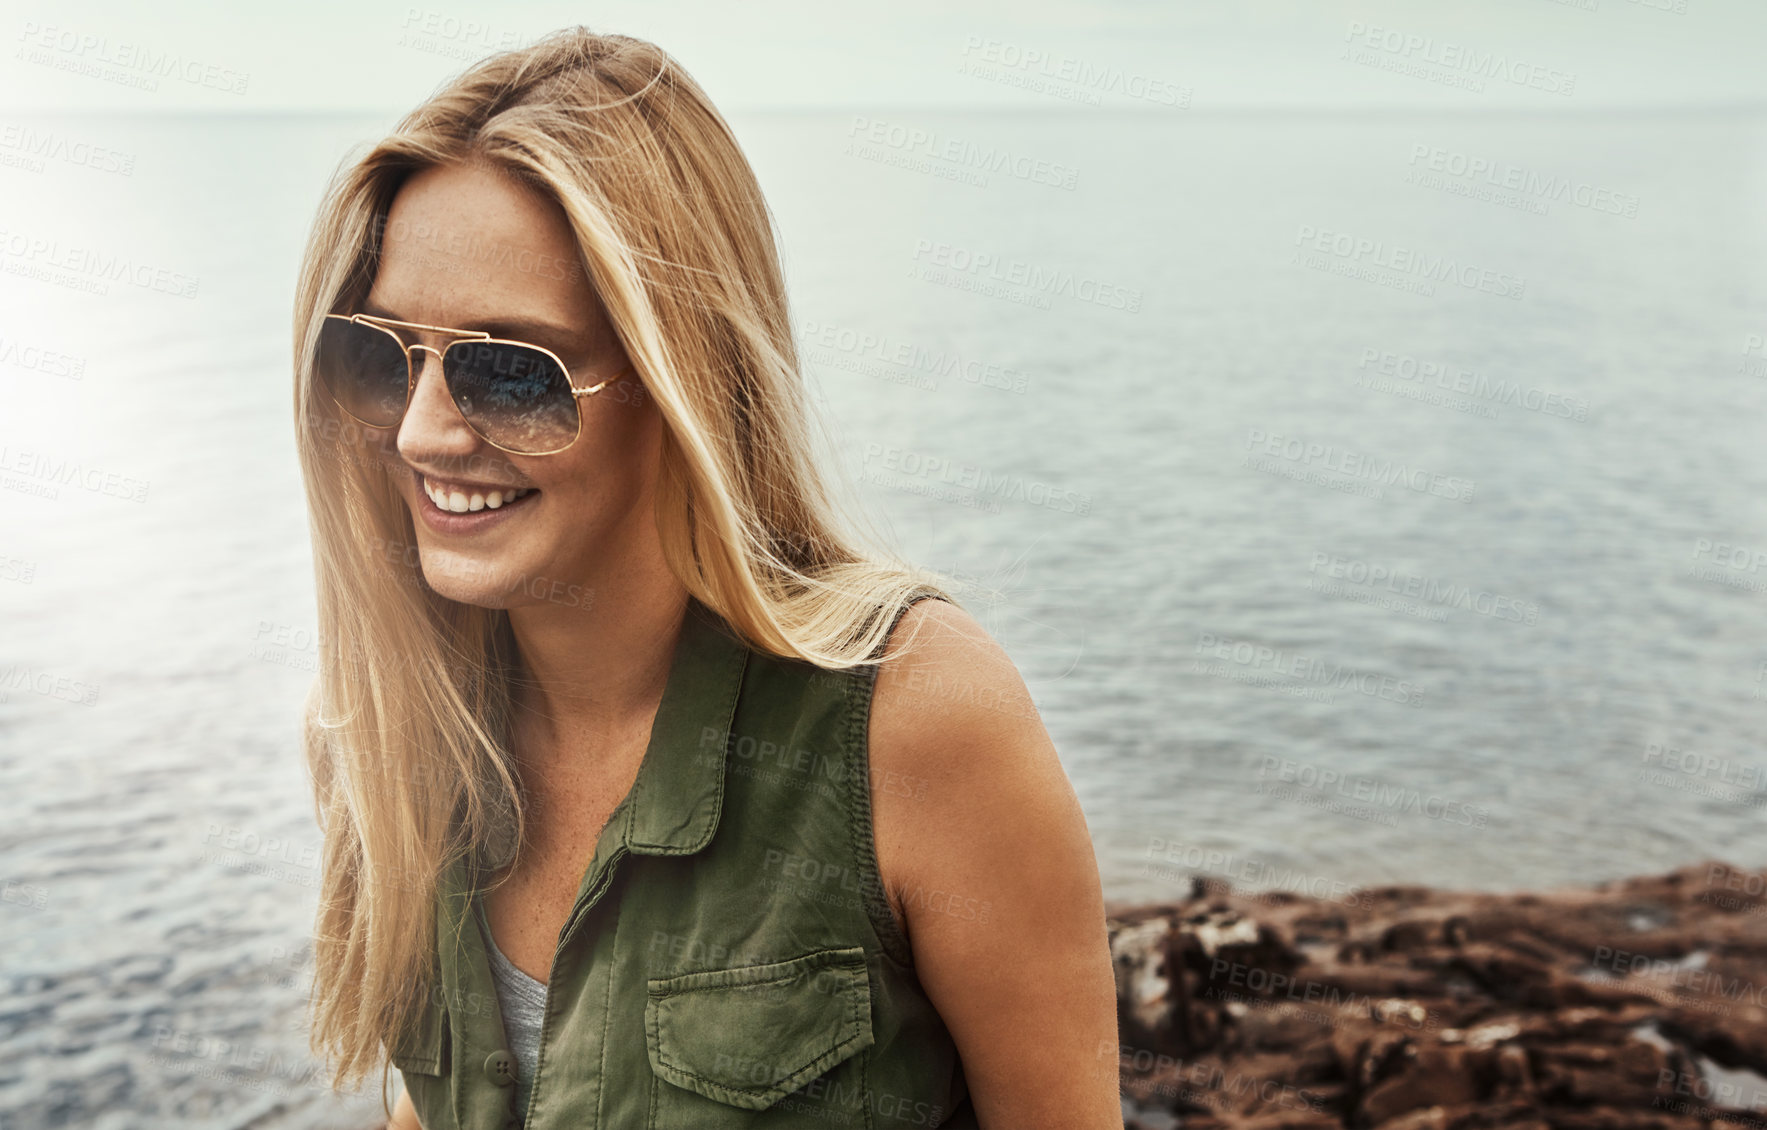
1154,56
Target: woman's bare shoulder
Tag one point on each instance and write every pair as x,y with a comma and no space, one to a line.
955,739
940,663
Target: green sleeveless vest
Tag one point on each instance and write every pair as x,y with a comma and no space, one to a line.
730,960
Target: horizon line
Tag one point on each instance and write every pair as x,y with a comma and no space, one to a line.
951,107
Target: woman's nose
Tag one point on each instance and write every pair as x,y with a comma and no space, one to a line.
432,425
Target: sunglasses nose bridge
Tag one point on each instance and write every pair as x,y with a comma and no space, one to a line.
417,366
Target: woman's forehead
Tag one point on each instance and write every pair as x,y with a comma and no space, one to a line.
480,199
462,242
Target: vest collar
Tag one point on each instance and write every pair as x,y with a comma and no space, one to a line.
674,804
679,793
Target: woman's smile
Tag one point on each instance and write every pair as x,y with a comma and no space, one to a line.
467,508
461,497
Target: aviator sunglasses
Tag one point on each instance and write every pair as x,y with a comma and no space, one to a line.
518,397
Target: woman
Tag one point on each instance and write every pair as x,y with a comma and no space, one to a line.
648,799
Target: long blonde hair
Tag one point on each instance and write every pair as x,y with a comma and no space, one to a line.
407,724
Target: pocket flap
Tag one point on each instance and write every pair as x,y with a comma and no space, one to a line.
751,1035
423,1045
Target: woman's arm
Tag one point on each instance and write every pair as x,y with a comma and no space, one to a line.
404,1114
985,852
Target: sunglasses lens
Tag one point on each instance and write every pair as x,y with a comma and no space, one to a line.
364,367
515,396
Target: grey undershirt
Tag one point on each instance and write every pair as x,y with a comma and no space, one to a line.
522,1001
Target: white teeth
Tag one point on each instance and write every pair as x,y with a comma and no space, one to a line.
460,502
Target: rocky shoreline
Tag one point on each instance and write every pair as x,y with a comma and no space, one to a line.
1634,1004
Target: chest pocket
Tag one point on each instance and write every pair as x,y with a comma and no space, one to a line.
728,1044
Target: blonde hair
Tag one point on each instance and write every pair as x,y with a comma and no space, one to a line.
406,736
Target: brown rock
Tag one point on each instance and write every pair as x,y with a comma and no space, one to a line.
1412,1008
1435,1076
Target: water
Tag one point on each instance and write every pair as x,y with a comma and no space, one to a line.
1086,466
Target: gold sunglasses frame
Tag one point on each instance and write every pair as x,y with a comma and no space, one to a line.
455,337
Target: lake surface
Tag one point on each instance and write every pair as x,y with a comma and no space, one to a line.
1354,516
